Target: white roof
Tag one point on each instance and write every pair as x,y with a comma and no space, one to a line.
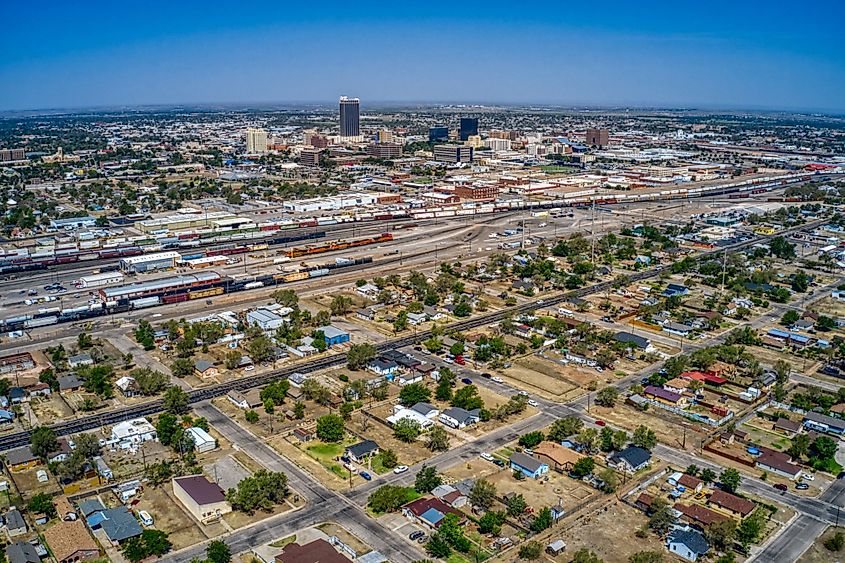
199,435
169,255
103,276
134,427
412,415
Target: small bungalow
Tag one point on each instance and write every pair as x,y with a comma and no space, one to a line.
205,369
688,544
631,459
362,451
529,466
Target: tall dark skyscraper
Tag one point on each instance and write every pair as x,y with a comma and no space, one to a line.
469,126
349,122
438,133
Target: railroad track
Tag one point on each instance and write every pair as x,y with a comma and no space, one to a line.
155,406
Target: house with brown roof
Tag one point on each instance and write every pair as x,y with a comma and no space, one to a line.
70,542
644,501
317,551
64,510
430,511
559,458
778,463
737,506
677,385
697,514
202,498
691,482
786,426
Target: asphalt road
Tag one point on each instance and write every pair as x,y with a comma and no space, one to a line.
322,503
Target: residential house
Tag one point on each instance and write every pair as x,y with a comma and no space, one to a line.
699,515
296,379
205,369
366,314
456,417
69,383
450,495
64,510
557,457
689,482
303,435
664,396
688,544
39,390
786,426
15,524
679,329
21,459
362,451
733,504
402,413
136,431
675,289
778,463
22,552
127,386
118,524
368,290
70,542
265,319
677,385
631,459
415,319
386,368
430,511
61,453
203,499
824,423
80,360
528,465
634,340
250,399
6,416
315,551
427,410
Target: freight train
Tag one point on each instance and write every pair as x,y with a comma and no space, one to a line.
336,245
202,285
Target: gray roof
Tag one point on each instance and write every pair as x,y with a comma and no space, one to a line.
202,365
160,284
820,418
20,455
460,414
69,382
532,464
90,506
14,520
692,539
630,338
120,524
362,448
423,408
634,455
22,552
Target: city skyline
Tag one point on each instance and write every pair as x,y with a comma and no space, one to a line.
658,57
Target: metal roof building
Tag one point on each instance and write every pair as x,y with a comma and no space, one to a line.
163,284
148,262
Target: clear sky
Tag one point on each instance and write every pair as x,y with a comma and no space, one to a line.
678,53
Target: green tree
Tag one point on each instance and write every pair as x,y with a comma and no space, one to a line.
531,550
414,393
563,428
835,542
438,439
389,459
583,467
584,555
543,520
427,479
330,428
182,367
721,534
482,494
43,441
750,528
286,298
359,355
166,428
644,437
233,359
646,557
467,398
799,446
42,503
707,475
516,505
150,382
251,416
407,430
261,491
218,552
607,397
531,439
438,547
730,480
662,516
491,522
175,400
387,498
340,305
299,410
782,248
789,318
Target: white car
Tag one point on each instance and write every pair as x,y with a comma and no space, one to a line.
250,367
496,379
533,403
400,469
145,518
808,476
523,393
487,456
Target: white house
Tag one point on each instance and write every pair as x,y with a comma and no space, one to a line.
687,543
401,413
134,431
455,417
203,442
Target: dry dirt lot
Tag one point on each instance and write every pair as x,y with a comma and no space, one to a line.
49,410
609,531
541,376
170,517
539,492
667,426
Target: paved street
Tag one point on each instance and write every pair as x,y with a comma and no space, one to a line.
323,504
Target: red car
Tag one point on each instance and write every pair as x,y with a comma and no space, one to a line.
601,423
460,360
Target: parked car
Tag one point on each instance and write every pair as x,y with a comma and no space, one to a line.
533,403
415,535
466,381
366,476
807,476
487,456
802,486
781,487
486,375
499,462
400,469
460,360
145,518
601,423
496,379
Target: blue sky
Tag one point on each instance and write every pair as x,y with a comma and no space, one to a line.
712,54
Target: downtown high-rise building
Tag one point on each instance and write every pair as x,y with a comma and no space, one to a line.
597,137
469,127
256,141
350,127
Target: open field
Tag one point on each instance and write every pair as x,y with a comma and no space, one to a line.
818,553
169,516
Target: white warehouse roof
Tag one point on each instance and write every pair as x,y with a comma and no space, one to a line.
169,255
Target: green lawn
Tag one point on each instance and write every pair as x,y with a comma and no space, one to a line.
326,452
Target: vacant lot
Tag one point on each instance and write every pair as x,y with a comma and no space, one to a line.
49,410
818,553
170,517
541,376
666,426
609,531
